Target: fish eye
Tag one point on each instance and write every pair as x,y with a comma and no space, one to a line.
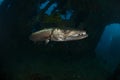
81,34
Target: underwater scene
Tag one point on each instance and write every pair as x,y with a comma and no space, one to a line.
59,40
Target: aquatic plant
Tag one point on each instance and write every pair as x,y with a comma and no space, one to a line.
53,18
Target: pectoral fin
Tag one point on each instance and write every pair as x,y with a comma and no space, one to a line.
47,41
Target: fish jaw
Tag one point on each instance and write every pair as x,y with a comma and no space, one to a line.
76,35
71,38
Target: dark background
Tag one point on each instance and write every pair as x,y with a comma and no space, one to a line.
20,57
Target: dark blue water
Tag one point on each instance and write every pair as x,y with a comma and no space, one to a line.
93,58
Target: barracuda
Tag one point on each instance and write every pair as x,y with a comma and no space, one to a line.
58,34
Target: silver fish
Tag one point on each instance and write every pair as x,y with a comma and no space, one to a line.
58,34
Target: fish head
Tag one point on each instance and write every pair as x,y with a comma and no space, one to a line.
75,35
